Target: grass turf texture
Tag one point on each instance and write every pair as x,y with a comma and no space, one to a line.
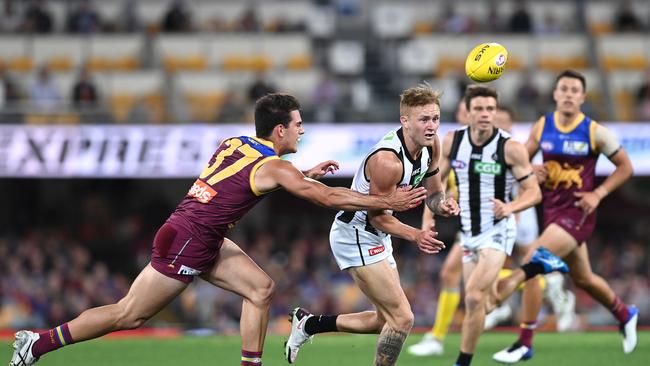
595,348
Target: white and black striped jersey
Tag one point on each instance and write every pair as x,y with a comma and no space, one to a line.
481,173
413,172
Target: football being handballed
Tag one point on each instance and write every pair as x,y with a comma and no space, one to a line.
486,62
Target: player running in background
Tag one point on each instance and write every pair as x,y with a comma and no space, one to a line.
192,243
561,300
571,143
361,240
432,343
486,164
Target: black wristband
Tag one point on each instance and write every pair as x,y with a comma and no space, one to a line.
431,174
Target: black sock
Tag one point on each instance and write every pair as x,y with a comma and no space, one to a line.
532,269
321,324
464,359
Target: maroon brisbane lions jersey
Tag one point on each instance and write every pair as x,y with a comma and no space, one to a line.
570,157
224,191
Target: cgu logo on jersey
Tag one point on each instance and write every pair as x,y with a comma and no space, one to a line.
201,191
570,147
487,168
562,174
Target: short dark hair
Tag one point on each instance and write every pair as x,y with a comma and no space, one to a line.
572,74
474,91
272,110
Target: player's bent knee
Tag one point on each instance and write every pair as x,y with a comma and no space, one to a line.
402,320
582,281
130,321
263,293
474,299
126,318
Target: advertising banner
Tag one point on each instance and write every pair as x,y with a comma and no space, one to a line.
180,151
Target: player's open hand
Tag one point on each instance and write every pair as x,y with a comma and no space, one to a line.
540,173
448,207
321,169
405,198
501,209
427,242
587,201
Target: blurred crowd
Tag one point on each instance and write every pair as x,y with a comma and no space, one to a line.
333,98
58,259
83,17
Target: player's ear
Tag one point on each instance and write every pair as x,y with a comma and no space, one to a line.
279,129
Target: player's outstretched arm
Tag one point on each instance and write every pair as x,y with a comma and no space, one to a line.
607,144
282,173
529,192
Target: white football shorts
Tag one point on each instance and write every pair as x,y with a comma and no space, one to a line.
501,237
353,246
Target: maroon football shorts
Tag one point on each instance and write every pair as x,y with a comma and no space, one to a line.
573,221
178,255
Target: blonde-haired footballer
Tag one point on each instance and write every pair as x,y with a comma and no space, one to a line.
361,240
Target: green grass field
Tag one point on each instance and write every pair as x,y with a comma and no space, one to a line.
553,349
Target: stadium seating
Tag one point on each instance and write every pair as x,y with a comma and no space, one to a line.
114,53
419,42
15,53
624,85
624,51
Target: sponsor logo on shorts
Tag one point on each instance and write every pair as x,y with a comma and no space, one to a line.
201,191
567,222
376,250
497,239
185,270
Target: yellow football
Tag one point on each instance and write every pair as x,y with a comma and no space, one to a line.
486,62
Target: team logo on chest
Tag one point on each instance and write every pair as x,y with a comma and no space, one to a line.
563,173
